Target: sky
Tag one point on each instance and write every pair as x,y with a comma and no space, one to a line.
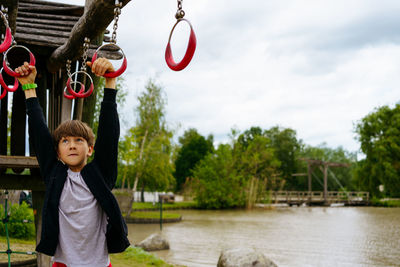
317,67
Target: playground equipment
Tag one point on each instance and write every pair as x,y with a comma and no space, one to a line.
7,219
73,78
113,43
191,45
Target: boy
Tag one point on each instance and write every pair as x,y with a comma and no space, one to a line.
81,221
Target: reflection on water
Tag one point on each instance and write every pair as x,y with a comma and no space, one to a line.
345,236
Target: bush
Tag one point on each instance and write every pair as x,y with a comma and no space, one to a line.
17,228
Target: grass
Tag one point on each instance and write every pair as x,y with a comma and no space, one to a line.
16,245
166,206
133,256
137,257
154,215
391,203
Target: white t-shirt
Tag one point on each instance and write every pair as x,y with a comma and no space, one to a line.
83,223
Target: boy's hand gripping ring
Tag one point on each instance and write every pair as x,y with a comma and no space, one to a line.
81,92
8,38
6,67
119,71
5,86
189,50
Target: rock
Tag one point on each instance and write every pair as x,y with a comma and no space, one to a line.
244,257
154,242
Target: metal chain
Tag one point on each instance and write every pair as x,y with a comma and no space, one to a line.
86,45
4,14
117,12
68,67
4,17
179,13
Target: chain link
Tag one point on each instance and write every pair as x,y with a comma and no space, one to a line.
4,15
179,13
117,12
86,45
68,67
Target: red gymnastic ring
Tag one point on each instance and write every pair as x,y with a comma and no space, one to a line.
5,86
4,93
80,94
71,96
7,41
119,71
189,50
6,67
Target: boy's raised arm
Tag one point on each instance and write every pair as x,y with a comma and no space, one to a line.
106,147
38,131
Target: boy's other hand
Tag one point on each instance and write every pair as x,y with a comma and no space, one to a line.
101,66
27,72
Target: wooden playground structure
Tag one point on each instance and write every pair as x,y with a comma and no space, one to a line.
54,32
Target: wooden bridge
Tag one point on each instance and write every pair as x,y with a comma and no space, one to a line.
319,198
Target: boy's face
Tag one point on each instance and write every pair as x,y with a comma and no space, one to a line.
74,151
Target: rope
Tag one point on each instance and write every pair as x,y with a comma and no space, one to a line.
7,220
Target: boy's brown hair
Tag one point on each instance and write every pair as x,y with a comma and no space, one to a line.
73,128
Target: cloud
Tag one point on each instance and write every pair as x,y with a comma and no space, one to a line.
314,66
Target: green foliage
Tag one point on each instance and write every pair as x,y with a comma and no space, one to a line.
146,150
16,226
153,215
165,206
194,147
218,183
287,149
379,135
390,203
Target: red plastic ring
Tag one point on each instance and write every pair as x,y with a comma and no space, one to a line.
71,96
32,61
5,86
119,71
7,40
189,50
4,93
80,94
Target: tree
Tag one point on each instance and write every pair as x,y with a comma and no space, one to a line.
257,163
238,174
194,147
287,149
151,140
217,182
379,135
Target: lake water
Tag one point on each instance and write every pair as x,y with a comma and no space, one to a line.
293,236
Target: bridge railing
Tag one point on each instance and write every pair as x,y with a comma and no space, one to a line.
318,196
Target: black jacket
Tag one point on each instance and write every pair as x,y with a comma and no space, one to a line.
99,175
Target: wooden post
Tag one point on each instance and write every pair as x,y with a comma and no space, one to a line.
309,172
326,184
37,201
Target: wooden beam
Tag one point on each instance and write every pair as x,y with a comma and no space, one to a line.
94,21
18,161
44,26
47,21
46,16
